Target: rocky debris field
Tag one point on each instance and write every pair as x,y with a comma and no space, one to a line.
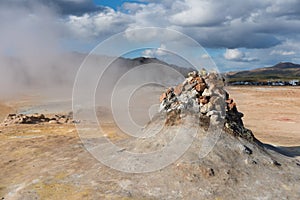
38,119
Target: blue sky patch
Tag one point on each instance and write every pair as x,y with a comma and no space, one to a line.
115,4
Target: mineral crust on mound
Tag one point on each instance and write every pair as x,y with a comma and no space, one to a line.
224,161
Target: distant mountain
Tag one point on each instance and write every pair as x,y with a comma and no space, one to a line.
282,71
143,60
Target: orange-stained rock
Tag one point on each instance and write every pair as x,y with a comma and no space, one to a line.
166,94
169,90
162,97
196,79
200,87
199,79
178,89
232,106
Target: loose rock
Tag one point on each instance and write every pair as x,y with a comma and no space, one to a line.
38,118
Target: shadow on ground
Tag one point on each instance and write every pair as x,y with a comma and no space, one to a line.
293,151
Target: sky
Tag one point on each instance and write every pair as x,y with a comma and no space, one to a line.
238,35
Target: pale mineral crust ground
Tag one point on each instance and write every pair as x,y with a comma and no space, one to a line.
49,161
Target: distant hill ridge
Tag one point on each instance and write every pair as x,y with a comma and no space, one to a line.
283,71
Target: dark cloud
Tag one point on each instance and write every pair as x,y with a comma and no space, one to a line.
239,40
73,7
63,7
214,24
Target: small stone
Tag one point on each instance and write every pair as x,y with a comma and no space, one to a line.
211,172
203,99
208,172
74,121
62,120
206,92
213,112
274,162
247,150
214,120
204,109
52,122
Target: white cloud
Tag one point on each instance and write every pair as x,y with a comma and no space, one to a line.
148,34
214,23
237,55
283,53
158,52
99,24
148,53
205,56
250,30
234,54
132,7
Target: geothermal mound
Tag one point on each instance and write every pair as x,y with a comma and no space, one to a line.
224,160
214,157
202,94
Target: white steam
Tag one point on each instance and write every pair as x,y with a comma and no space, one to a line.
30,49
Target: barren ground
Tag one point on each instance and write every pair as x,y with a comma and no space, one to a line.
272,113
49,161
